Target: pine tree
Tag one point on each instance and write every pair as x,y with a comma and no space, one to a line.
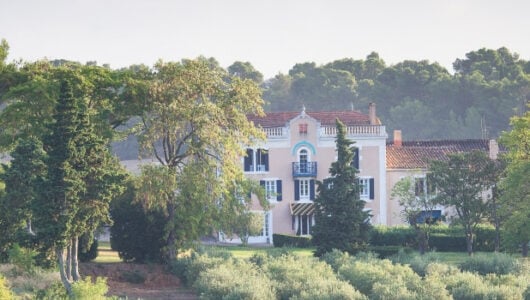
340,221
58,202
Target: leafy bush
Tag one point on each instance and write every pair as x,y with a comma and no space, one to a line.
283,240
392,236
5,293
497,263
22,259
442,237
469,286
55,291
231,280
86,289
189,268
307,278
136,235
418,263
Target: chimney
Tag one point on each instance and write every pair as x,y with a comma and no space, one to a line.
398,141
371,114
493,149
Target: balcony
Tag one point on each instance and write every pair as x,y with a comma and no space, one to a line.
305,169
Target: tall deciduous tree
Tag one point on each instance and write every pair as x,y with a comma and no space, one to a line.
515,199
417,209
195,125
340,219
462,183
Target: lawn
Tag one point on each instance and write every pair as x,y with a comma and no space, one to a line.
106,254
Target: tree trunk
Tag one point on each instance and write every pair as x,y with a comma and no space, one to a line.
68,266
469,242
171,237
421,236
524,250
59,253
75,261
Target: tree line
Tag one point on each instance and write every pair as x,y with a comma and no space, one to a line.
422,98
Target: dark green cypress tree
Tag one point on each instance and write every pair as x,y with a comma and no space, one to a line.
57,205
340,222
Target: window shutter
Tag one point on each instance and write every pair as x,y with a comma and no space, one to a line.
279,190
431,187
265,154
311,189
356,158
248,160
372,188
297,190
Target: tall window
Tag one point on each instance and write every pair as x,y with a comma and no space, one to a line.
303,158
273,189
256,160
366,188
304,189
420,186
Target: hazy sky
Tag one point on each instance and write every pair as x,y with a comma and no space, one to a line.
271,34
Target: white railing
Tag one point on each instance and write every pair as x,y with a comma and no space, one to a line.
275,132
359,130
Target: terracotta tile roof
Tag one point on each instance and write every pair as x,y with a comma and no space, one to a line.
418,154
326,118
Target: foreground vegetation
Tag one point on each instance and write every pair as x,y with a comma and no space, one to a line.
278,274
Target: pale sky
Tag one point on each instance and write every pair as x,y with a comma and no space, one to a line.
272,35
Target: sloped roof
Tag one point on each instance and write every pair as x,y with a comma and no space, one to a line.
326,118
418,154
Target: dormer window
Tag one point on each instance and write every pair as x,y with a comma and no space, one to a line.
302,129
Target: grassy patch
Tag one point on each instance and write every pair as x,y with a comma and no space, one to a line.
106,254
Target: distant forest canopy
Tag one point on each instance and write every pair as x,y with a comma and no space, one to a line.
422,99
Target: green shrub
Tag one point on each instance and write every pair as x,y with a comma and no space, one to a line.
22,259
336,258
283,240
190,268
5,292
137,235
418,263
307,278
469,286
86,289
443,242
231,280
55,291
497,263
392,236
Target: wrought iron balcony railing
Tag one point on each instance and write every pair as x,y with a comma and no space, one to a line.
305,169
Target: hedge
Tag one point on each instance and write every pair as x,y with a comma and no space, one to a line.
442,238
283,240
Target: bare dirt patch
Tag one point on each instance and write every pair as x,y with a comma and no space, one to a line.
153,281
